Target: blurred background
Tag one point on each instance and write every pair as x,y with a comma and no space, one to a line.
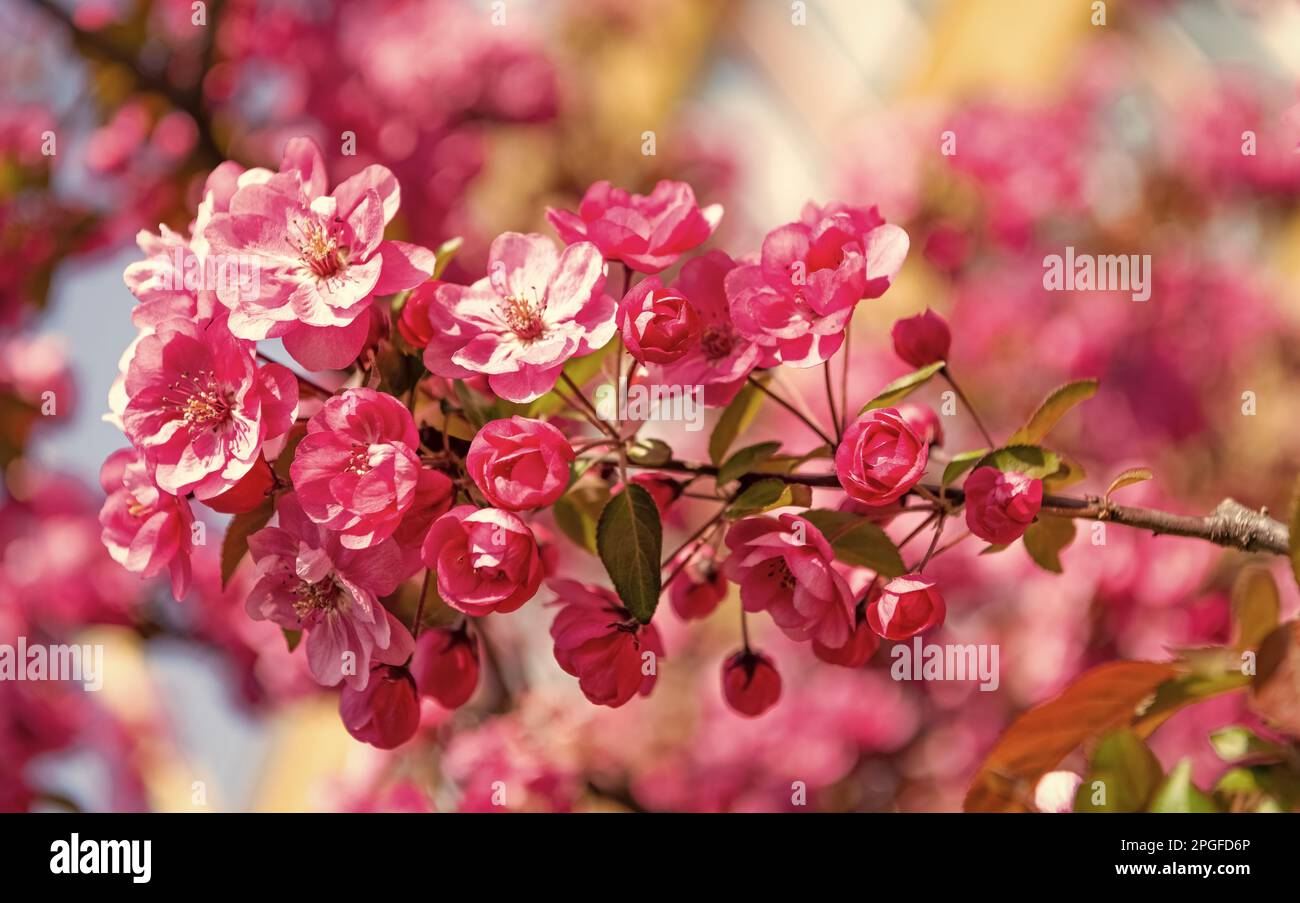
1123,137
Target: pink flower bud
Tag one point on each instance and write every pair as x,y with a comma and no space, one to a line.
923,421
922,339
659,325
486,560
387,712
520,464
908,605
880,457
750,683
999,506
699,588
414,323
446,666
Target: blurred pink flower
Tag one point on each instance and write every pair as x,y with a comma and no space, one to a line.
145,528
646,232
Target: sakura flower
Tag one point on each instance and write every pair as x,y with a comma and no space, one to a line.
1000,506
798,299
646,232
322,256
519,325
722,359
200,407
598,641
357,469
519,463
783,566
307,580
486,560
386,712
906,606
446,665
145,528
750,683
659,326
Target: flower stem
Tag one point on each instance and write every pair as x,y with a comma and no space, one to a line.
988,439
792,409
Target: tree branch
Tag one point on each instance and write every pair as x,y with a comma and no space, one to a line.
1231,524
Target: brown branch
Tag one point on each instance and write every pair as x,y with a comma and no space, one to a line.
1231,524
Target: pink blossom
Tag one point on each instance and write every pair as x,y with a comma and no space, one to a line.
659,325
698,590
386,711
783,566
535,309
721,359
999,506
599,642
251,490
446,665
879,457
923,339
146,529
200,407
520,464
307,580
646,232
923,421
486,560
322,256
798,299
907,605
750,683
357,469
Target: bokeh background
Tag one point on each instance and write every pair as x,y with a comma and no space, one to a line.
1118,138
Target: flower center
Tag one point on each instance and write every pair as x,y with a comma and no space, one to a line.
321,596
779,570
717,342
359,460
320,249
198,400
524,317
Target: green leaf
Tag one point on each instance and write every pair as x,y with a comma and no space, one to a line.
1179,794
857,541
761,496
961,463
902,387
1130,477
736,416
1052,410
1046,537
1128,773
629,539
745,460
235,543
650,452
1255,607
443,255
1034,462
1067,474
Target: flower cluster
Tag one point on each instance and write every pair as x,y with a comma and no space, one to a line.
343,497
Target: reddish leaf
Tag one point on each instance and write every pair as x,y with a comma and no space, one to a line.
1100,700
